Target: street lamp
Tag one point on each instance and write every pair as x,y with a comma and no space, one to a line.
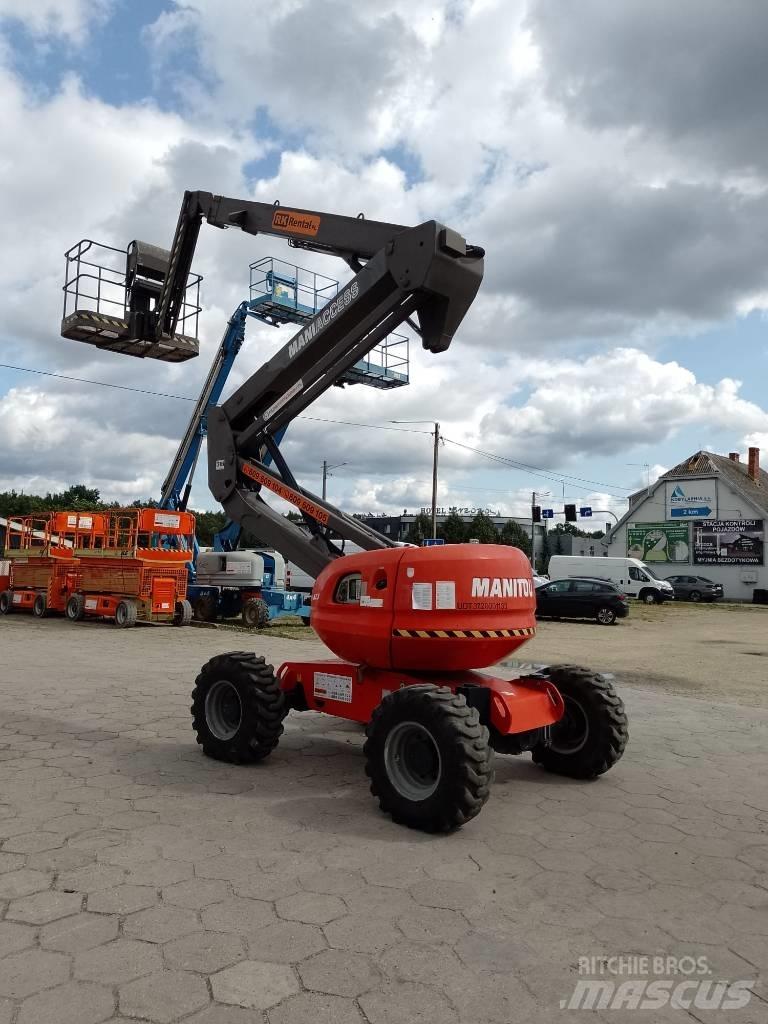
327,472
434,468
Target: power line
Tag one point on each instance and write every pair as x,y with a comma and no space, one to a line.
532,470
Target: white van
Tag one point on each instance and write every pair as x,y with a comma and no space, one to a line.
630,575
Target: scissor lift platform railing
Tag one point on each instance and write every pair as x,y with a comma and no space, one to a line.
286,293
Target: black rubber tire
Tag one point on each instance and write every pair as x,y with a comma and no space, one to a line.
262,708
695,595
75,609
255,613
126,614
6,602
589,698
465,763
40,606
649,597
605,616
183,614
205,608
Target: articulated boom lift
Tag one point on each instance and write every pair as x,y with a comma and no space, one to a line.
410,626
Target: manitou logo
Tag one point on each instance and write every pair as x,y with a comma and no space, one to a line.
487,586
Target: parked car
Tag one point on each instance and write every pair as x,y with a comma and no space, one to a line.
695,588
581,598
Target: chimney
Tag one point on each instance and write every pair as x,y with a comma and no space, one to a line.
733,456
753,466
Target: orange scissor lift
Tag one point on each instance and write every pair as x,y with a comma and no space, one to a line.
128,565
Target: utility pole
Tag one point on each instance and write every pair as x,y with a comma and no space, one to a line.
434,481
327,472
533,532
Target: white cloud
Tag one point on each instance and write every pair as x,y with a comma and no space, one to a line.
71,18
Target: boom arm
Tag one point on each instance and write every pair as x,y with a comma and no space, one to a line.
427,272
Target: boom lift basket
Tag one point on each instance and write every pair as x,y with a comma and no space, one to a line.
283,292
110,294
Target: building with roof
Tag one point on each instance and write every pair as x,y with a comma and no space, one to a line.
705,517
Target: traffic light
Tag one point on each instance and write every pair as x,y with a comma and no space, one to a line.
570,513
536,513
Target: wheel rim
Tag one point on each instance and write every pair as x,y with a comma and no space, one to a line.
121,614
412,761
223,710
695,595
39,607
605,615
571,733
650,599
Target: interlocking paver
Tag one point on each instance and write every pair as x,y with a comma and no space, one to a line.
163,997
254,984
79,932
79,1002
118,962
210,868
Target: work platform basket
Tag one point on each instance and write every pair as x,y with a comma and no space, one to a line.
110,296
286,293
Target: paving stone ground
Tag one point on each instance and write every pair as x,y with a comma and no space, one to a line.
140,881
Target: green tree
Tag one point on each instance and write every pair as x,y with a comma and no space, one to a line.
421,528
481,528
513,533
454,529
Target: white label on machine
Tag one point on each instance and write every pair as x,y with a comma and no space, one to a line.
91,603
371,602
71,520
421,597
85,522
165,605
219,463
445,594
166,519
17,598
293,390
333,687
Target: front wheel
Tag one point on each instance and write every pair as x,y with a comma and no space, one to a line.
592,734
428,758
648,597
183,614
40,606
255,613
75,609
238,708
126,614
205,608
695,595
6,602
606,616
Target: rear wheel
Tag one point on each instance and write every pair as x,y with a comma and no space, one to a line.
75,609
183,614
428,758
40,606
205,608
592,734
6,602
255,613
238,708
126,614
606,616
695,595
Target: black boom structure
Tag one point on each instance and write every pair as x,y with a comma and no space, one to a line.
426,275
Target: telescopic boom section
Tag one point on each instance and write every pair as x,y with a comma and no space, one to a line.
427,275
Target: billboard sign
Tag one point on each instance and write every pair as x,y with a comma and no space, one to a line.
728,542
695,499
659,542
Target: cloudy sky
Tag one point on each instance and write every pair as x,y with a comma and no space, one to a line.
614,165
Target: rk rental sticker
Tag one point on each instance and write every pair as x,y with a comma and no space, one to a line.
331,687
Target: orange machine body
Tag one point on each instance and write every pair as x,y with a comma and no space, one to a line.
449,608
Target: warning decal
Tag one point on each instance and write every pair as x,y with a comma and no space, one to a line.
331,687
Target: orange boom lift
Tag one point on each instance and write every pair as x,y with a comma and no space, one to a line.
410,627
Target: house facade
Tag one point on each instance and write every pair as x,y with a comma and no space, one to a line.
705,517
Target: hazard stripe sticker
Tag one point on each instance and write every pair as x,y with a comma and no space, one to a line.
464,634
